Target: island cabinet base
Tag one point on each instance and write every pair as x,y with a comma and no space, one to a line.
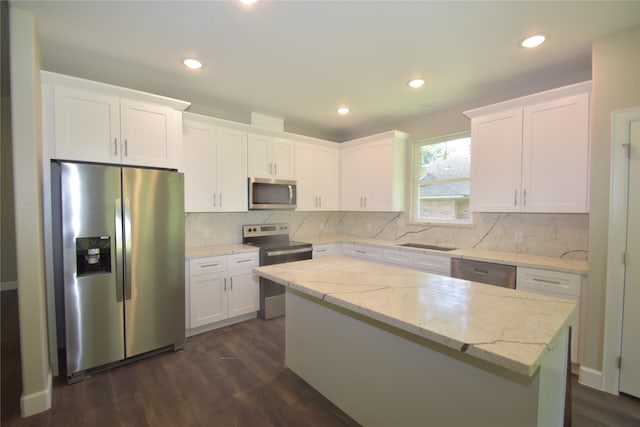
382,376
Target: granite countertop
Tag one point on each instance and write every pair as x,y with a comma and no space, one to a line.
520,260
217,250
505,327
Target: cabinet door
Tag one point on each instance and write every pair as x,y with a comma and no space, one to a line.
149,134
326,178
282,153
555,157
259,162
352,179
231,170
555,284
199,175
306,177
378,179
87,126
496,152
244,293
208,298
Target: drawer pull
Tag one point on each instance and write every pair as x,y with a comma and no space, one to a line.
244,260
361,252
476,270
551,282
209,265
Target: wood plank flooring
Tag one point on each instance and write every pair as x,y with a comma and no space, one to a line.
233,376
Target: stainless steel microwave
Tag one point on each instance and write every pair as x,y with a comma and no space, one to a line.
272,194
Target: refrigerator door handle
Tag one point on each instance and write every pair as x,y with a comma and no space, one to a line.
118,250
127,248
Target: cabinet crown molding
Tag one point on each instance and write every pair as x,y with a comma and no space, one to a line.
548,95
55,79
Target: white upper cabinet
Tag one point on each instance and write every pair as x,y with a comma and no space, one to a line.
96,122
373,173
317,176
270,157
534,157
215,167
495,156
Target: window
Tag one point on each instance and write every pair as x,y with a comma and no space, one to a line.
442,183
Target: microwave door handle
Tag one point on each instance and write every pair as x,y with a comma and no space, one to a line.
290,194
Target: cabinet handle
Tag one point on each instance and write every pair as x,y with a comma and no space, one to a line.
275,169
320,201
475,270
270,168
231,281
214,199
361,252
220,199
515,197
365,201
524,197
550,282
115,144
225,284
209,265
243,260
126,147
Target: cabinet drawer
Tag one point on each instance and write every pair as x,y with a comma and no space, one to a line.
362,252
434,264
242,261
328,249
395,256
207,265
552,283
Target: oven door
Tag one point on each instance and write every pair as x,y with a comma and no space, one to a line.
272,294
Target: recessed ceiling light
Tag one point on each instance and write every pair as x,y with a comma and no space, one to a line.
343,110
416,83
248,1
533,41
194,64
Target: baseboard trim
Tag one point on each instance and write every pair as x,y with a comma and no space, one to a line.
9,286
37,402
590,378
221,324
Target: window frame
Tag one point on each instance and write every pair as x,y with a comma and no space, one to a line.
414,187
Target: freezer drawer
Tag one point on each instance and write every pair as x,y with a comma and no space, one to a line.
484,272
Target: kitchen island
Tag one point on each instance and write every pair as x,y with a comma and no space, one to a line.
393,346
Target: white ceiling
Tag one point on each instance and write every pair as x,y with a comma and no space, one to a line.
299,60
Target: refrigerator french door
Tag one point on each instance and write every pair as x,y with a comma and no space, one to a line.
119,262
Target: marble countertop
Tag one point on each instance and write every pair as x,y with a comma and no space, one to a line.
520,260
505,327
217,250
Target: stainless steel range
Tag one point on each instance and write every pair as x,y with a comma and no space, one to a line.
275,248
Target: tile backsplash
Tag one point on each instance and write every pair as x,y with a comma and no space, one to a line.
561,235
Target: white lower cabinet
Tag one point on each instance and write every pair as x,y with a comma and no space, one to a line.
434,264
325,249
555,284
428,263
221,287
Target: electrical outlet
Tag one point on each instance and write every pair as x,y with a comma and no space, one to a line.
518,237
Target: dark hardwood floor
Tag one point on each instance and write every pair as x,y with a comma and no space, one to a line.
233,376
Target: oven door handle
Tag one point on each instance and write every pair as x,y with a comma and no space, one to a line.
288,251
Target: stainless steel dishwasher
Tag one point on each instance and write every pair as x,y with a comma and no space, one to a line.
484,272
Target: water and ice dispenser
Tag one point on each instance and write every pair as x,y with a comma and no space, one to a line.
93,255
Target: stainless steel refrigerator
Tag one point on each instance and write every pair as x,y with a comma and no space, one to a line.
118,262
